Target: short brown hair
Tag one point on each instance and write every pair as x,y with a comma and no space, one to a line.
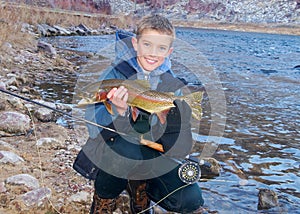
155,22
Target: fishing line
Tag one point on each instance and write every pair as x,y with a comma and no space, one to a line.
40,160
179,188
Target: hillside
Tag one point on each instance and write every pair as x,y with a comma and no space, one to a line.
233,11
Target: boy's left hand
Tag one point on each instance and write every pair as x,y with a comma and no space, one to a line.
119,97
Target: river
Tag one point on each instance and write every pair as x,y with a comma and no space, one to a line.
256,78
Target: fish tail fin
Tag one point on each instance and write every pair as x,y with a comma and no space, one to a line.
194,101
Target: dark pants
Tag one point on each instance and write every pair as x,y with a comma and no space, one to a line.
183,200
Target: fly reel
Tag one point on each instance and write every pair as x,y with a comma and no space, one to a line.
189,172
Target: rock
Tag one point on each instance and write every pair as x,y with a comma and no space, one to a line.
36,197
2,187
41,30
16,103
48,141
14,122
62,31
210,168
27,28
12,81
2,85
3,96
6,145
23,179
79,197
50,31
44,115
85,29
79,31
10,157
267,199
47,48
12,88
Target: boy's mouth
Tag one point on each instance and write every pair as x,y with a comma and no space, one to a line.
150,61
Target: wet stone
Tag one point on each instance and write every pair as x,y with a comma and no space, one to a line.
36,197
267,199
23,179
10,157
14,122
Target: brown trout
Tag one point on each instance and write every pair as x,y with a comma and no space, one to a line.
139,96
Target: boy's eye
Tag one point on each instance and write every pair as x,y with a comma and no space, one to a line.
162,48
146,44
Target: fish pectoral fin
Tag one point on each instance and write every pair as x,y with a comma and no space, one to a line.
151,144
134,113
108,107
162,116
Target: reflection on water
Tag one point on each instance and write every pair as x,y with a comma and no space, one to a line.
260,77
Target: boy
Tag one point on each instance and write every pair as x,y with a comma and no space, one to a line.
117,163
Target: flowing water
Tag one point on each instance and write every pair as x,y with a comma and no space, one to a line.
260,77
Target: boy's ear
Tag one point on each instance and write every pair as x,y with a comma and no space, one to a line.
134,43
170,51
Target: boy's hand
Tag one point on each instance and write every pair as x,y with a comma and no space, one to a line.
119,97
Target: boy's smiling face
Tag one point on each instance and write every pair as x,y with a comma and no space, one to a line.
152,48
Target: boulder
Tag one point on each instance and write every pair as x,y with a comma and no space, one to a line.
23,179
14,122
36,197
10,157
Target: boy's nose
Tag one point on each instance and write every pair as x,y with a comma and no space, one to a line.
153,51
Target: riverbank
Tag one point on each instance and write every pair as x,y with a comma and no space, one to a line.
289,29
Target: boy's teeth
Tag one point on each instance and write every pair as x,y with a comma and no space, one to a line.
150,61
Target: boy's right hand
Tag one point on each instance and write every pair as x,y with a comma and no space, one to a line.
119,97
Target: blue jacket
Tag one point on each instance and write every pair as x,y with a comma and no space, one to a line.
125,66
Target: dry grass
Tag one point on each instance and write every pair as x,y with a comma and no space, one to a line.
10,25
12,17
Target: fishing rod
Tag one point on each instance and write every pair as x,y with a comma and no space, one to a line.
189,171
145,142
